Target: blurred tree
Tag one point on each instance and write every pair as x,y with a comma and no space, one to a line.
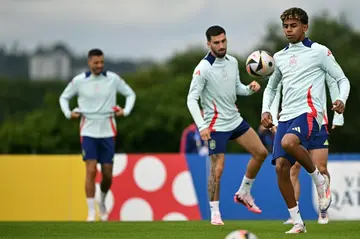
32,122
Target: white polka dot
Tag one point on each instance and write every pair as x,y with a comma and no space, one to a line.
175,216
149,173
136,209
183,189
120,163
119,166
109,199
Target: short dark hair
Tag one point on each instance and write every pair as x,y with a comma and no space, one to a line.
295,13
214,31
95,52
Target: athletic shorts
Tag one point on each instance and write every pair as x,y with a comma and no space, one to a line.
218,142
305,127
321,139
101,149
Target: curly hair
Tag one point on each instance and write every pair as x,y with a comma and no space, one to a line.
295,13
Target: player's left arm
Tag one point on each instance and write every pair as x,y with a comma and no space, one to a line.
242,89
330,66
338,119
123,88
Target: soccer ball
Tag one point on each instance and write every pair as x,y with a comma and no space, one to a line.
241,234
260,64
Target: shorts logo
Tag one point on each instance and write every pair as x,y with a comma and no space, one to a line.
212,144
326,143
83,153
297,129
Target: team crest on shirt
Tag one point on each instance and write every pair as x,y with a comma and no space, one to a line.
224,75
212,144
293,60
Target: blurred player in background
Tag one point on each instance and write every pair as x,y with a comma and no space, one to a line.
96,91
191,142
318,149
216,81
301,67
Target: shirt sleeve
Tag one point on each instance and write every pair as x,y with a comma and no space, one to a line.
69,92
330,66
331,83
270,90
123,88
274,109
241,89
197,85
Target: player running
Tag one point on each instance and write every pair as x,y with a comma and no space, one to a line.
318,149
216,81
301,67
96,91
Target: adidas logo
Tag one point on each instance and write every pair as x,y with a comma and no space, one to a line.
326,143
297,129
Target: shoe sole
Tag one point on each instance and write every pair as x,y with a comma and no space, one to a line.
236,200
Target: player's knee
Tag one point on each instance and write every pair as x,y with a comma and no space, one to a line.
288,142
322,168
282,167
294,172
261,154
91,172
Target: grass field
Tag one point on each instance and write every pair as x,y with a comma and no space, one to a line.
173,230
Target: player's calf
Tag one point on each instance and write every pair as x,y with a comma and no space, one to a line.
104,188
216,170
287,190
90,188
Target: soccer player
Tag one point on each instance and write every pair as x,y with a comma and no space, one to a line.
318,149
301,67
96,91
216,81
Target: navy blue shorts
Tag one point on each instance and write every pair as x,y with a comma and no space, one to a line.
101,149
321,139
218,142
304,126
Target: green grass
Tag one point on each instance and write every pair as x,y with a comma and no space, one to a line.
173,230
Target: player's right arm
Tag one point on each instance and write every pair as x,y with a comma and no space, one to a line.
69,92
268,97
274,109
197,85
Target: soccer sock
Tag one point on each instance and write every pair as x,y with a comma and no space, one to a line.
297,202
317,178
91,206
214,207
102,197
246,184
295,215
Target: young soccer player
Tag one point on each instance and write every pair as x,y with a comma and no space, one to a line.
318,148
96,91
301,67
217,82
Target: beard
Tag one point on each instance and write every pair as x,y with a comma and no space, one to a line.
219,54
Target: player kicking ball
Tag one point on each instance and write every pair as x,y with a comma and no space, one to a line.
301,67
318,148
216,81
96,91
